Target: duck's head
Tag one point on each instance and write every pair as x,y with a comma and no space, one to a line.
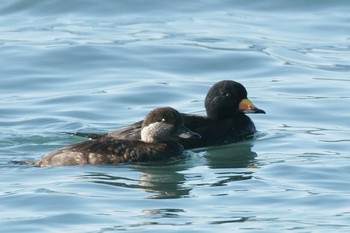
164,124
228,98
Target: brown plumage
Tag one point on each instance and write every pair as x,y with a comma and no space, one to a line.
110,151
160,129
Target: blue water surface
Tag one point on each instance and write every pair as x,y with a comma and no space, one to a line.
91,66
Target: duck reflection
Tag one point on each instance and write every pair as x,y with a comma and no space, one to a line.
161,179
176,178
164,180
237,155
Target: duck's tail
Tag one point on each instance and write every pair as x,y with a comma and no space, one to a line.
86,135
23,162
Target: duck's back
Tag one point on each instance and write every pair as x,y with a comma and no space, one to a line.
109,150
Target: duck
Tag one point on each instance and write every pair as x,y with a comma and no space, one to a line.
226,105
158,140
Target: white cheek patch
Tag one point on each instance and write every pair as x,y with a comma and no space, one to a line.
155,132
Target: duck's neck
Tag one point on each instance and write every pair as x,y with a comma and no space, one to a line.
225,115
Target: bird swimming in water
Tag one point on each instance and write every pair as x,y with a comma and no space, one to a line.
158,140
226,106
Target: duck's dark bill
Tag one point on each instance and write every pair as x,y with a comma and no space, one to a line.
186,133
257,110
247,106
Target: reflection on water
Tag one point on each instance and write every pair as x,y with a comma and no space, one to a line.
119,181
238,155
167,179
163,182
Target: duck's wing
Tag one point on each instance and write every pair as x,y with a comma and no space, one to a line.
101,151
66,156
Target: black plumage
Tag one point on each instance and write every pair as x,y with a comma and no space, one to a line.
226,104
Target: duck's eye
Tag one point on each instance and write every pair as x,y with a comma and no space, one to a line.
163,120
227,94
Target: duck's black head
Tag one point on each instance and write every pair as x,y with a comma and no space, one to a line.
227,99
164,124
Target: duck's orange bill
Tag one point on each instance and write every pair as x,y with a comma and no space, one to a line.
247,106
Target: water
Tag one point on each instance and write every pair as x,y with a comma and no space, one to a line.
86,66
